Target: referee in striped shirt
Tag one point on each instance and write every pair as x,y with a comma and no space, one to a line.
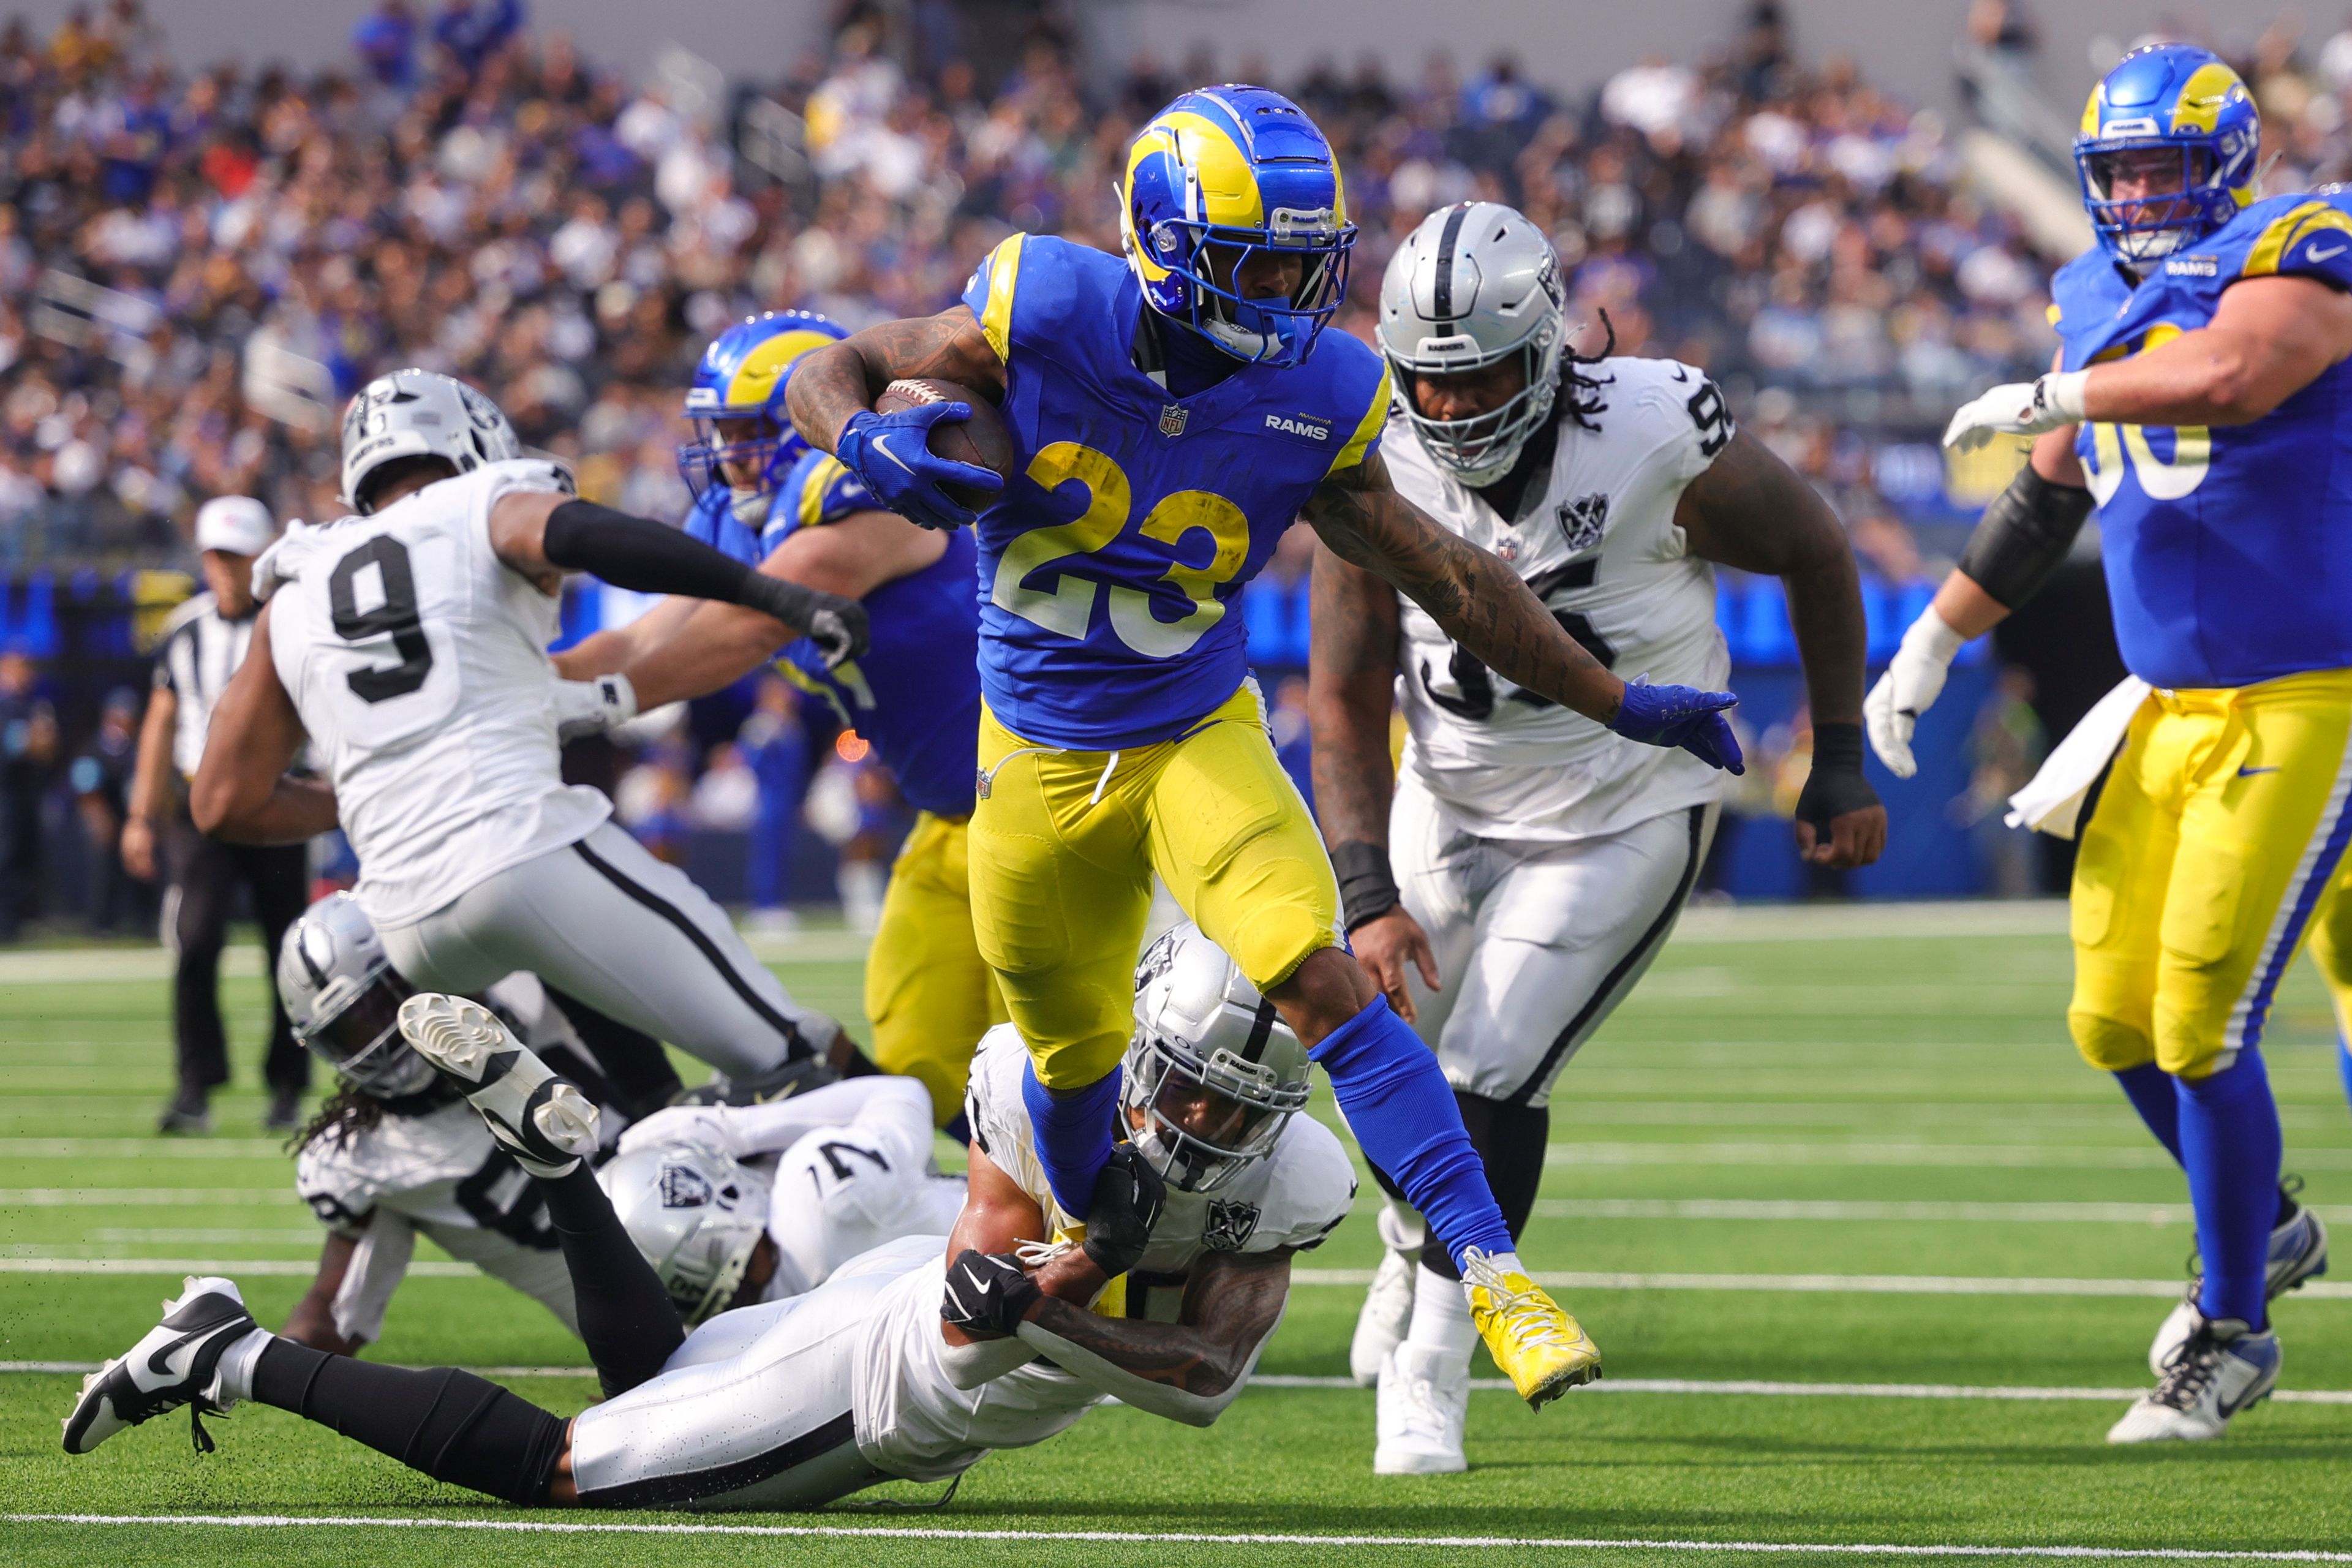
202,644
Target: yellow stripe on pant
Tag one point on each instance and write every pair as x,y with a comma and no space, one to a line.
928,993
1064,844
2214,847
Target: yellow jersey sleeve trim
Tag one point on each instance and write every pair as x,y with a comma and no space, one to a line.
996,316
814,493
2305,218
2052,311
1367,428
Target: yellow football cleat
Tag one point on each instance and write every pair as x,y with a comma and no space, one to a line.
1545,1352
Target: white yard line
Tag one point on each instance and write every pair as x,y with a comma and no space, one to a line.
1817,1284
1911,1213
1745,1387
142,1197
1898,1154
1174,1538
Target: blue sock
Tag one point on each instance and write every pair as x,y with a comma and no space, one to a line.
2149,1089
1402,1111
2230,1143
1073,1135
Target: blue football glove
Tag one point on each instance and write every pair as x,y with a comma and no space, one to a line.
1680,716
888,454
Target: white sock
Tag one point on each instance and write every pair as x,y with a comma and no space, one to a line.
233,1373
1441,1315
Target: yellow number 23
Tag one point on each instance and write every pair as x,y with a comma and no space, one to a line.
1067,606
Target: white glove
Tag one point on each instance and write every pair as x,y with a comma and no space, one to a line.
2019,409
704,1124
595,706
1909,688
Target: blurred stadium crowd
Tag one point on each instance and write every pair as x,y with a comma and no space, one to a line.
199,261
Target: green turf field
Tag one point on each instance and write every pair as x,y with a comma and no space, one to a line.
1818,1147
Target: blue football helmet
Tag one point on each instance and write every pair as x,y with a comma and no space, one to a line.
1218,177
2176,98
741,376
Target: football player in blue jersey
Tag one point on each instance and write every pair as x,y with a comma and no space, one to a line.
2200,401
764,496
1173,412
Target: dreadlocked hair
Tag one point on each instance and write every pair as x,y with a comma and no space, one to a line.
342,1116
1579,396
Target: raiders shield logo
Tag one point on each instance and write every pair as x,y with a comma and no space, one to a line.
684,1187
1229,1226
1583,521
1172,419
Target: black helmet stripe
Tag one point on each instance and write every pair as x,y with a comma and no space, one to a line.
1261,1030
1443,297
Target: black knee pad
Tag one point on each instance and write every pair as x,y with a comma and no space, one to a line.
1510,1140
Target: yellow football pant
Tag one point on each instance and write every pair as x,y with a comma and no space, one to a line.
1064,844
2212,848
928,993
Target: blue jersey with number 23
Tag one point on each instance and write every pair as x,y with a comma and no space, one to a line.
1109,565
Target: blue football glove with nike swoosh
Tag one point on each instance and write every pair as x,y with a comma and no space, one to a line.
887,452
1681,716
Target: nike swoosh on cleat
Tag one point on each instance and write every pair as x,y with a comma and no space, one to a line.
2249,772
160,1362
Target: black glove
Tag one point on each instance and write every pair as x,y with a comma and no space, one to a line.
1129,1196
1835,786
988,1293
837,626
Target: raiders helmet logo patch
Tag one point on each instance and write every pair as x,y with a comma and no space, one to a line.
1172,419
684,1187
1583,521
1229,1226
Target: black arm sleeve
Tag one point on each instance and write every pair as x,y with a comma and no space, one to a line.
2024,535
646,557
1368,889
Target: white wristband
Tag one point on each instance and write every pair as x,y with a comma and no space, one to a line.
2062,394
1932,636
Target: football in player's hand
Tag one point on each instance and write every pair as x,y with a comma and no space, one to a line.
982,440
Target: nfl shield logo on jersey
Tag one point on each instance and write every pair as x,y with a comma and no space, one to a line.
1229,1226
1172,419
1583,521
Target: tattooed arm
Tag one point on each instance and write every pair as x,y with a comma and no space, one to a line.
1188,1371
830,384
1479,601
1350,675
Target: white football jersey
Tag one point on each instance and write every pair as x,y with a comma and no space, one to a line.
913,1420
1598,544
443,1174
417,661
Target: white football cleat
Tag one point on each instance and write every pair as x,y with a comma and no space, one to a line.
540,1118
173,1364
2221,1369
2298,1252
1388,1306
1423,1400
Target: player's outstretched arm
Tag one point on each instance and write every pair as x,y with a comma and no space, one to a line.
831,399
242,792
2022,538
1350,679
1187,1371
1750,511
1483,605
544,534
2269,339
708,646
